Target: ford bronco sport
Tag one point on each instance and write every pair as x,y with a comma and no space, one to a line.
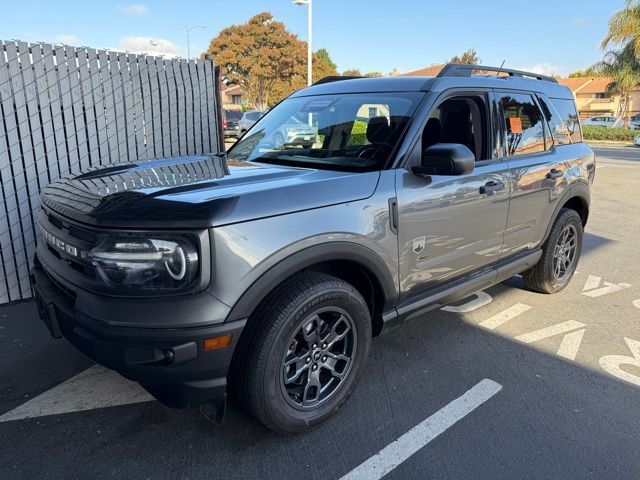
274,268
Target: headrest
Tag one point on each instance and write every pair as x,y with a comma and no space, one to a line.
432,132
378,130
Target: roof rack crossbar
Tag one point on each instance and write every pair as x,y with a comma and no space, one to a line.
464,70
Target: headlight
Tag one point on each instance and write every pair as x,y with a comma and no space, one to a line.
138,263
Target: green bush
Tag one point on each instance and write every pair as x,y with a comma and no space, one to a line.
593,132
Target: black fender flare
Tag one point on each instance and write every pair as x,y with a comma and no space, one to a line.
577,190
330,251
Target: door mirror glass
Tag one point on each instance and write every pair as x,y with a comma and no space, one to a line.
446,159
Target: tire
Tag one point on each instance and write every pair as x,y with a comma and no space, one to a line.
552,273
275,335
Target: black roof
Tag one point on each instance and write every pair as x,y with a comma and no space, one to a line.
451,77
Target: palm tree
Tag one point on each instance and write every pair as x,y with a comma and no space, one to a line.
623,66
624,27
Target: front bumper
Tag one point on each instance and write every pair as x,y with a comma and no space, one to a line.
170,363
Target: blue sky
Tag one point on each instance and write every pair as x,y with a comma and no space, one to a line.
550,36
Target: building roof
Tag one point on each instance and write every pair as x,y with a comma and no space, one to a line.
430,71
588,85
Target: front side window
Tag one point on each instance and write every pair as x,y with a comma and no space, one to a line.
462,120
523,125
353,132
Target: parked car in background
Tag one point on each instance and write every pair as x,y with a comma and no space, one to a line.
294,133
230,119
608,121
634,124
636,141
249,118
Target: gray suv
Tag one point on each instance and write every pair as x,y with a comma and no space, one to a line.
271,270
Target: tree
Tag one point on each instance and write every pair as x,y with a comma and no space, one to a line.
470,57
592,71
373,74
322,54
258,55
624,27
320,69
623,66
351,72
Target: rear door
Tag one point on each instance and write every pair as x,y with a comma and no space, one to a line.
537,170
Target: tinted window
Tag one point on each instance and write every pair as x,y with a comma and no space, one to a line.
523,125
253,116
569,115
559,131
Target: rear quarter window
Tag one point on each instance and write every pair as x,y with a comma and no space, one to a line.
567,110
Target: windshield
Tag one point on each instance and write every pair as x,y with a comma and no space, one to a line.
355,132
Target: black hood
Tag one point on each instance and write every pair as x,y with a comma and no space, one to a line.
198,192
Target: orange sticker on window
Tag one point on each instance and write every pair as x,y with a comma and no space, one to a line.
515,125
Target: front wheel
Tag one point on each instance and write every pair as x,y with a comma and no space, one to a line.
560,255
303,352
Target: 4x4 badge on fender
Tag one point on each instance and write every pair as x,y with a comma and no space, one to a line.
418,244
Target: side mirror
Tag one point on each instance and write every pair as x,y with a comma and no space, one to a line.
446,159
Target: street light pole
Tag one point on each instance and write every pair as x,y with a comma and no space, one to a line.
188,41
309,47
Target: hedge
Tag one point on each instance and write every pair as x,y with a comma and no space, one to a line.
593,132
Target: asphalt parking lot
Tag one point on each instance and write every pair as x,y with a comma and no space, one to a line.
506,384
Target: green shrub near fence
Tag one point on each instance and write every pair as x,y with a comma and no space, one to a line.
593,132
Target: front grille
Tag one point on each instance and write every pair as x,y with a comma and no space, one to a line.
69,244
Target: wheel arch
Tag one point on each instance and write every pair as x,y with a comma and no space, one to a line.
576,198
352,262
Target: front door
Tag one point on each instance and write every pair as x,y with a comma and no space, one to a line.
450,226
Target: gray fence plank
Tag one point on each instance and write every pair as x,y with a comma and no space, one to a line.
164,105
197,120
86,88
211,106
78,106
202,79
147,108
137,123
174,130
44,102
67,109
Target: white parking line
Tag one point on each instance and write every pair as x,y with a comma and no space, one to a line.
404,447
504,316
96,387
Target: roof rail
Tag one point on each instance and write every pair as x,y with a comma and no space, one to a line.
464,70
334,78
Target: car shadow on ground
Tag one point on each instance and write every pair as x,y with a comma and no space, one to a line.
553,418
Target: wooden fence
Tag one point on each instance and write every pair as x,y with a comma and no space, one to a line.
65,108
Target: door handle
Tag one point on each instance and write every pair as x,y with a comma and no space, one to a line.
491,187
554,173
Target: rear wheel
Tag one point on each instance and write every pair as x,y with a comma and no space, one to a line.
560,255
303,352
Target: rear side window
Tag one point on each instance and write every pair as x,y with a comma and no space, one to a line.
559,130
566,108
524,126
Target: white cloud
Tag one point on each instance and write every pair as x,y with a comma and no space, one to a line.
149,45
135,9
67,39
542,69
